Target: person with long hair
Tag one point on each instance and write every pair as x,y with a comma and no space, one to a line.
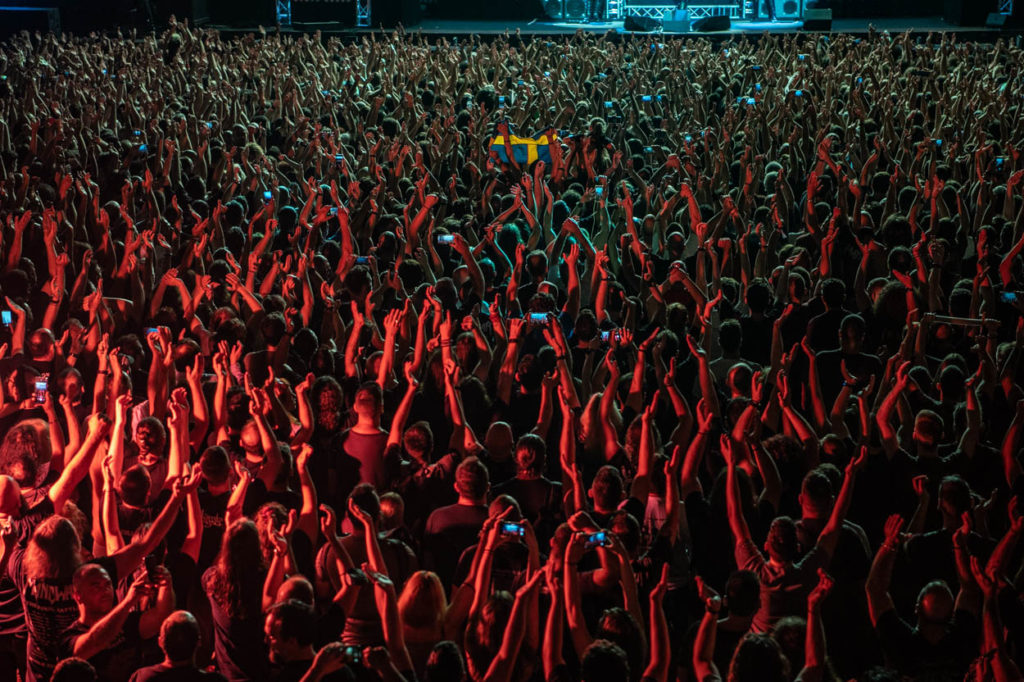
234,585
423,607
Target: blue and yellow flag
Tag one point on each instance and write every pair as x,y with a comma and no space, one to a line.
526,150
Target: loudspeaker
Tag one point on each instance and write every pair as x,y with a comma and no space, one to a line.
679,23
641,24
818,20
15,19
967,12
788,9
709,24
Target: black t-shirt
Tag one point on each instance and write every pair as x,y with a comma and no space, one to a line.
50,609
424,487
238,643
540,501
450,530
913,656
213,507
165,673
12,616
121,656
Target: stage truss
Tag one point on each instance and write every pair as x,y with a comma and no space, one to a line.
697,10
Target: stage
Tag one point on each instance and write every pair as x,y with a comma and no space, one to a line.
455,28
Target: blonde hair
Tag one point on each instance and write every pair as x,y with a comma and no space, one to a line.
423,603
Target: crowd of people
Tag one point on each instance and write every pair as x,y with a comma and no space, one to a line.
714,376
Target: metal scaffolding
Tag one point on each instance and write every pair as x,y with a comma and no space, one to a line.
284,12
363,9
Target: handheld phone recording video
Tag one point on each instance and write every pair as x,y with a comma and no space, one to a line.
501,101
6,318
539,318
646,98
598,539
445,238
152,562
1008,296
362,260
608,335
143,148
354,654
267,196
42,388
512,529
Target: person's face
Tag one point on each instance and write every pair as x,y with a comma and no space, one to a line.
250,441
277,647
150,442
96,591
72,386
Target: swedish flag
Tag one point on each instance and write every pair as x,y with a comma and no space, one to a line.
526,150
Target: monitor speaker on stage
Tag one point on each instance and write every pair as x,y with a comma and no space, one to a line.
818,20
788,9
637,23
709,24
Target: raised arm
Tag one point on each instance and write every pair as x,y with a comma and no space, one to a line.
877,585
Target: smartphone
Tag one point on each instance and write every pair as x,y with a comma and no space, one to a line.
646,98
599,190
648,150
143,148
354,654
6,317
938,143
521,82
1000,160
445,238
325,93
267,196
137,133
755,67
609,105
152,562
607,336
547,74
751,101
688,138
801,57
598,539
338,158
513,529
757,87
539,318
860,80
501,102
151,330
362,260
209,125
798,93
1008,296
42,388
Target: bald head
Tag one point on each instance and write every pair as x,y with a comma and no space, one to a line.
179,637
297,588
935,603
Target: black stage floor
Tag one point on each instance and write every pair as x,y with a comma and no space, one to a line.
453,27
